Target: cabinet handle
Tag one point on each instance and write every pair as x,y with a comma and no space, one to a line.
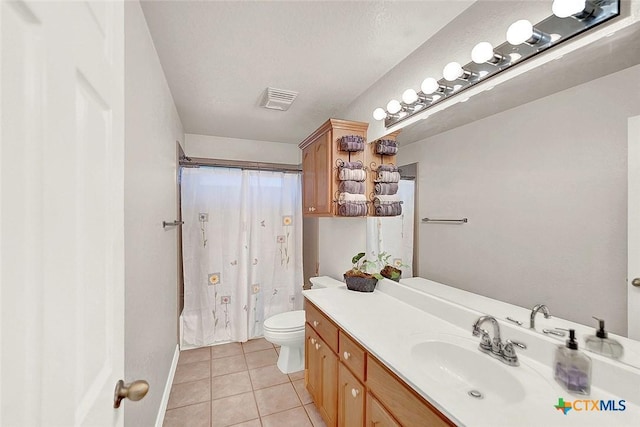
316,323
346,355
313,340
355,392
317,346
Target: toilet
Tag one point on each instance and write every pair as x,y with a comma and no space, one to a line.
287,331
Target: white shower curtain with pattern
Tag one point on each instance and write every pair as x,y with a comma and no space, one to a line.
242,251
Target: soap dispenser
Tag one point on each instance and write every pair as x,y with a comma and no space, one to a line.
572,368
601,344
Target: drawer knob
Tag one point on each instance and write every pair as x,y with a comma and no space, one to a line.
317,346
346,355
355,392
313,340
316,323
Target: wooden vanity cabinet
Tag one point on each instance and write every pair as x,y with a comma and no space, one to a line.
351,388
320,152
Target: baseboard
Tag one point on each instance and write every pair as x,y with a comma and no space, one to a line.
167,388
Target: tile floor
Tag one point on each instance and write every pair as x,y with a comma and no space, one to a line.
238,385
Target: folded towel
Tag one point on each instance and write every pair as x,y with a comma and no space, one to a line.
352,165
386,149
353,187
348,197
388,142
352,143
352,209
384,188
388,168
353,175
385,199
392,209
384,176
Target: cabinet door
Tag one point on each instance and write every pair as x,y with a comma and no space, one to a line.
308,180
323,175
311,359
321,375
328,367
377,416
350,399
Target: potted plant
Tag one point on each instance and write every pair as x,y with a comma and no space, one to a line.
389,271
358,279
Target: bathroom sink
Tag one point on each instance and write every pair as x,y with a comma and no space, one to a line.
467,370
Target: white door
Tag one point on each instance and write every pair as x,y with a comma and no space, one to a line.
61,199
633,229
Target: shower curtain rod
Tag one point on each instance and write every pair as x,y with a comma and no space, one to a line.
196,162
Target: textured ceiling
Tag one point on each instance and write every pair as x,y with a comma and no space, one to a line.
219,56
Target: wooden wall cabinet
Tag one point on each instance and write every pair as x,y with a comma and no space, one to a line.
320,152
351,388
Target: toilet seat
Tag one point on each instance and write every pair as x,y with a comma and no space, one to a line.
290,321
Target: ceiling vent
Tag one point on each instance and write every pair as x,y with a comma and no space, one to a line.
278,99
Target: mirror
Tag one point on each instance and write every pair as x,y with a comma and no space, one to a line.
539,167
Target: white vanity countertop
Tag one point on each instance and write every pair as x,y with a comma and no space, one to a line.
388,328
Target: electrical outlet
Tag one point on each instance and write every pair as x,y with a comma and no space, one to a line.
204,217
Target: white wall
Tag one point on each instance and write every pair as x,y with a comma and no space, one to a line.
152,127
217,147
544,187
339,239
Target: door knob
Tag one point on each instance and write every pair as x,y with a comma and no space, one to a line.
636,282
355,392
132,391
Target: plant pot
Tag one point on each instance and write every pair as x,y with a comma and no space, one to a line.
360,284
391,273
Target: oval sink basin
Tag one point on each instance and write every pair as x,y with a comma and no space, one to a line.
467,370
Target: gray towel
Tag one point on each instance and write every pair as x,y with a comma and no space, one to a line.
388,168
385,176
353,187
351,145
384,188
386,149
352,165
389,142
352,209
392,209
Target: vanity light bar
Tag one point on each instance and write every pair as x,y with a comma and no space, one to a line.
524,40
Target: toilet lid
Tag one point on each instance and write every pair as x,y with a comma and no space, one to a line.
291,320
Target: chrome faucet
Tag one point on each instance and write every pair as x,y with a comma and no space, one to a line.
487,344
505,353
536,308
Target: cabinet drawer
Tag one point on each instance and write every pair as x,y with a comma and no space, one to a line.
403,403
327,330
352,355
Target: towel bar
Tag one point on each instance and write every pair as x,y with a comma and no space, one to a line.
454,221
166,224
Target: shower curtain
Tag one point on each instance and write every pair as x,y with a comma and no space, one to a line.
242,251
394,234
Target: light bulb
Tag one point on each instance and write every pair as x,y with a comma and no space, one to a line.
409,96
519,32
482,53
379,114
452,71
394,106
429,85
567,8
